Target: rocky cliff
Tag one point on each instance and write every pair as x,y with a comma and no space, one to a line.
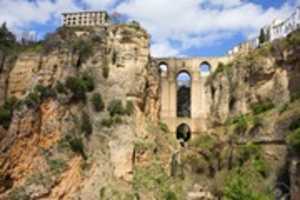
80,120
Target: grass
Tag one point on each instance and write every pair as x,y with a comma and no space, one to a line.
261,107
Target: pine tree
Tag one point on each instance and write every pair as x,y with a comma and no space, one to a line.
262,36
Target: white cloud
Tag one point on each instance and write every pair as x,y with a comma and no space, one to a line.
20,13
163,49
100,4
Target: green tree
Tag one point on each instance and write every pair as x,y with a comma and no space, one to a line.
7,39
262,36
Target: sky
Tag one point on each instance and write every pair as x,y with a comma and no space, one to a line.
182,28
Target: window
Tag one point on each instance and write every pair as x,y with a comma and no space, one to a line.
205,69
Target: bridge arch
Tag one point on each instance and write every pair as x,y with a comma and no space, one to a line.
183,93
205,68
183,132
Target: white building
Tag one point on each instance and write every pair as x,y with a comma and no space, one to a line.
87,18
281,29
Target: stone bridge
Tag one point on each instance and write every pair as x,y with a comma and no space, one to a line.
198,69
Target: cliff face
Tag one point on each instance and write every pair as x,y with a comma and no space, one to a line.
57,146
80,120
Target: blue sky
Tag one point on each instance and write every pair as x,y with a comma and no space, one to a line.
177,27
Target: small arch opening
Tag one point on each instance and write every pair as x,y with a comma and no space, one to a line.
183,81
163,68
183,132
205,69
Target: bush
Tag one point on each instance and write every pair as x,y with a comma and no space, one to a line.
32,100
169,195
60,88
249,151
5,117
80,85
86,125
205,142
129,110
108,122
88,81
77,87
6,111
84,49
241,124
57,166
240,185
44,92
262,107
76,145
115,107
164,127
293,141
97,102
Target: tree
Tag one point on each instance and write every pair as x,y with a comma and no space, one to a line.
262,36
7,38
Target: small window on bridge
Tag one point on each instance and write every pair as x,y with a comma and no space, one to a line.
205,69
163,68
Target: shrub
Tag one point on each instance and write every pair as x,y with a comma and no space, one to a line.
76,145
293,141
169,195
88,81
84,49
240,186
97,102
115,107
86,125
57,166
77,87
60,88
205,142
261,107
249,151
164,127
129,110
6,111
32,100
5,117
108,122
241,124
261,166
44,92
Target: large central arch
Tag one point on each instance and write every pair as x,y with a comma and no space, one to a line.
183,94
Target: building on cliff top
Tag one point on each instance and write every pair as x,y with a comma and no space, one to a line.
87,18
